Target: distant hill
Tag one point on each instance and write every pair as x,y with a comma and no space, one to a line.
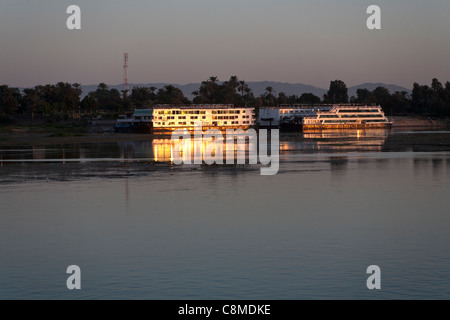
298,89
258,88
187,88
372,86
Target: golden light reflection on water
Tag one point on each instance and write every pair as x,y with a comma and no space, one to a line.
347,133
344,140
166,150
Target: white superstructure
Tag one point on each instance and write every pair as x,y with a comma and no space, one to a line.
348,116
288,114
222,117
140,120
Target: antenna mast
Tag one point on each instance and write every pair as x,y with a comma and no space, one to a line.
125,74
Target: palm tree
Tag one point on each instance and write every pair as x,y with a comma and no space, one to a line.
269,97
270,90
102,86
229,88
241,88
213,80
209,90
77,88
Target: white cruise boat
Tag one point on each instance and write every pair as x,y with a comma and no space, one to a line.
347,116
288,116
222,117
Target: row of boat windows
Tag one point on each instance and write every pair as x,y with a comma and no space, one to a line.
227,112
308,111
351,121
161,112
203,117
179,118
380,120
330,116
339,111
358,110
229,117
193,123
181,112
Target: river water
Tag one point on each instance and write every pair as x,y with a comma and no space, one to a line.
140,227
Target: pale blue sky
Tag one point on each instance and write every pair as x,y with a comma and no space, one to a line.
183,41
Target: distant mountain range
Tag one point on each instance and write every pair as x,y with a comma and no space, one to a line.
259,87
372,86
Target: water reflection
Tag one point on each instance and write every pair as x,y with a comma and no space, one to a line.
338,164
39,152
438,167
421,164
172,231
135,149
357,133
61,153
153,150
345,140
163,150
448,167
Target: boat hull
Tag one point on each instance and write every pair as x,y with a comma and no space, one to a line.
203,128
144,127
310,127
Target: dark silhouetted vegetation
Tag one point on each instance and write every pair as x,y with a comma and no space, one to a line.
338,93
62,101
424,100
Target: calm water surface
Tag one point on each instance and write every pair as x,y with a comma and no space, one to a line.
145,229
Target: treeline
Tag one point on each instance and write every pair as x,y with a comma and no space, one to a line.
424,100
64,99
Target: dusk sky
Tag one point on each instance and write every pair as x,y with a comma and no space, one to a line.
185,41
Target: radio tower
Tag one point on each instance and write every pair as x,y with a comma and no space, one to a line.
125,74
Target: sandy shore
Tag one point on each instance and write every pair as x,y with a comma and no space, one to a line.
409,122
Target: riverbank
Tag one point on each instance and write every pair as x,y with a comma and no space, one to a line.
416,121
31,139
101,131
59,133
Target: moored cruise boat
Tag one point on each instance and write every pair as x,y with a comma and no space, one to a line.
139,122
288,117
346,116
222,117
